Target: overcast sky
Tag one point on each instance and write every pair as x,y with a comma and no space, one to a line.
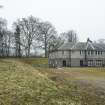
86,17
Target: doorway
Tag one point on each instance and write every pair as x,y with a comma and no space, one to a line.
81,63
64,63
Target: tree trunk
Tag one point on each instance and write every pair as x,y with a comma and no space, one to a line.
19,51
29,50
45,46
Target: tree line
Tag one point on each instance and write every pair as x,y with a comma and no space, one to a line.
30,36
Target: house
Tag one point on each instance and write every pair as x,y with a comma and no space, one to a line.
80,54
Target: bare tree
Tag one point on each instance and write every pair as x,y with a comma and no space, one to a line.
3,30
29,32
9,42
101,41
1,6
70,36
47,33
55,43
17,41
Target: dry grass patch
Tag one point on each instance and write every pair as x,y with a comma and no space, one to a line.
31,82
21,84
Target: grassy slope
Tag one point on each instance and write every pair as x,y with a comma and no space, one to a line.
28,81
86,85
21,84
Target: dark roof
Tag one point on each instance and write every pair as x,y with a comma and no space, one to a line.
82,46
99,46
66,46
79,45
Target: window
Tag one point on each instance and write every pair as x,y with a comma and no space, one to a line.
90,62
91,52
98,62
88,52
98,52
101,52
80,52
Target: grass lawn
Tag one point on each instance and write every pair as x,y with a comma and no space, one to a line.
29,81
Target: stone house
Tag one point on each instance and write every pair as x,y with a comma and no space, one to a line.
79,54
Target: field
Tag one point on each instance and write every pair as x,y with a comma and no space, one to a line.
29,81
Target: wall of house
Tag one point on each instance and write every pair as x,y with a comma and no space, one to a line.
56,58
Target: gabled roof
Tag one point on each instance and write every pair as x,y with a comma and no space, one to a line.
82,46
66,46
79,46
99,46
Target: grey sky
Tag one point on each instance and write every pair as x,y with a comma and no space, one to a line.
87,17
